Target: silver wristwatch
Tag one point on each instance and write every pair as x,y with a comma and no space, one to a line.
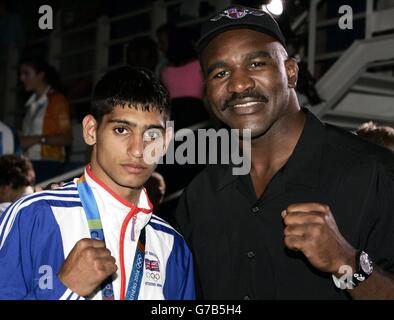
350,280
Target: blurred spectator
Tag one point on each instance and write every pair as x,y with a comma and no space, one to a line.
8,142
162,37
162,44
46,128
17,178
381,135
142,52
183,78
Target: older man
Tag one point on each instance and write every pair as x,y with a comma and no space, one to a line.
314,217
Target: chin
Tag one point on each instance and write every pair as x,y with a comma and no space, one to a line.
133,183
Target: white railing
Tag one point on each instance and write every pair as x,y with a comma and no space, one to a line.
375,21
343,74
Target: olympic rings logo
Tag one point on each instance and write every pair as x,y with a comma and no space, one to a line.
139,262
153,276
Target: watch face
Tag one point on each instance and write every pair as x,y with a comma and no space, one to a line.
366,263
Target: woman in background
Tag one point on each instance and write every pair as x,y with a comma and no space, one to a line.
183,78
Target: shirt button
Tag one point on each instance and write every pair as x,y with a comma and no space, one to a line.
251,254
246,297
255,209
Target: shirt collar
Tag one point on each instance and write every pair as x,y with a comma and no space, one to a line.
303,166
42,99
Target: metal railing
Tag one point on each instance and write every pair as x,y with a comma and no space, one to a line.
375,21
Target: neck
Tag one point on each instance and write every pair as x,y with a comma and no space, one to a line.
40,89
272,150
129,194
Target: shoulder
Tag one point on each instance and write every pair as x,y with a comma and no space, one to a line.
353,150
163,226
57,97
37,208
194,64
212,177
168,238
167,234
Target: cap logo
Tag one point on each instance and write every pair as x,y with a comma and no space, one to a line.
237,13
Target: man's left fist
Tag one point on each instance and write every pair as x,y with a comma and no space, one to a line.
311,228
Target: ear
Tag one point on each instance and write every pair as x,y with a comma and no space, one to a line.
292,72
89,125
167,140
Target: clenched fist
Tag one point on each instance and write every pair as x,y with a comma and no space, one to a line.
311,229
87,266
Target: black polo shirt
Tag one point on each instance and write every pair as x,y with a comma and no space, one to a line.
237,239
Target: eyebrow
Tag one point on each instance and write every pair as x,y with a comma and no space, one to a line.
133,125
247,56
216,65
257,54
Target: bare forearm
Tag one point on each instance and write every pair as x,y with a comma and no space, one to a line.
379,286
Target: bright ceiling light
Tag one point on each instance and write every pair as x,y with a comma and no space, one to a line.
275,7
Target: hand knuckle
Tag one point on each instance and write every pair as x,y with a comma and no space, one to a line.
89,253
82,243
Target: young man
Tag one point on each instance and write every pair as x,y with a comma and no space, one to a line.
318,201
96,237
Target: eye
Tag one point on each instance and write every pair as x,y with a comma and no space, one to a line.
152,135
221,74
257,64
121,131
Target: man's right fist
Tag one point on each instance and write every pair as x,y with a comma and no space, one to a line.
87,266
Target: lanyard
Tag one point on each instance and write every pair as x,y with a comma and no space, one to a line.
96,232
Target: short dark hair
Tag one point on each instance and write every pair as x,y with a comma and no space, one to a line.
14,171
129,86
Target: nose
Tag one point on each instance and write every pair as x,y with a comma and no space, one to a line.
135,147
240,81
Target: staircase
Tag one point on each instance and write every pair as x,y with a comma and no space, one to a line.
359,86
357,89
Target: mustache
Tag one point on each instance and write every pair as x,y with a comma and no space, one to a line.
240,96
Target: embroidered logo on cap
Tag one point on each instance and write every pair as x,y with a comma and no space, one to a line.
237,13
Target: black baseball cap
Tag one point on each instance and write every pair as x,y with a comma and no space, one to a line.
238,17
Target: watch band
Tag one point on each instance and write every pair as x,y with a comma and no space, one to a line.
351,279
360,275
